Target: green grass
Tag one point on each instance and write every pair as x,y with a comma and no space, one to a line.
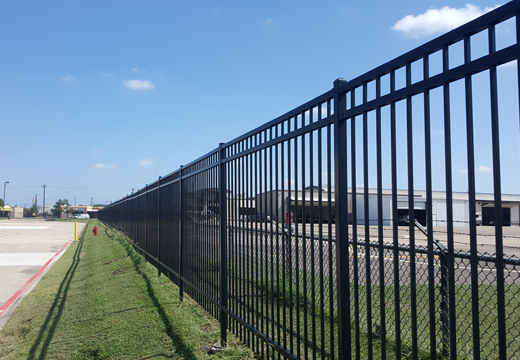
291,306
260,300
102,300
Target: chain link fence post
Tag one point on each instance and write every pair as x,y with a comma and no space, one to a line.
444,290
445,303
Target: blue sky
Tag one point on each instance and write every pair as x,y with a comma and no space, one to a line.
99,97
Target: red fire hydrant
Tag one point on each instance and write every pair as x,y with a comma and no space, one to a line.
95,230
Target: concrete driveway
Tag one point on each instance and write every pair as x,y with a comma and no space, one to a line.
28,247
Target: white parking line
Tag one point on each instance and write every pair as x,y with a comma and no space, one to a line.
25,227
24,259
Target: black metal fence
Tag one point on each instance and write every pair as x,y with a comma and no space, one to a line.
333,284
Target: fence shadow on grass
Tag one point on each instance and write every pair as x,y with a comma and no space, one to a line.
56,310
177,341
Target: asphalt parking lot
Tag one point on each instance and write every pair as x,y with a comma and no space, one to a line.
26,245
486,240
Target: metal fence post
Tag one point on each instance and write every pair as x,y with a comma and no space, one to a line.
137,220
131,216
145,221
341,200
159,227
181,236
223,245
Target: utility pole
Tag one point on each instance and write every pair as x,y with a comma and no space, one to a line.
5,183
44,201
74,200
91,201
5,203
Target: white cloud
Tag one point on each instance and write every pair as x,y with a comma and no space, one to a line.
148,162
268,22
69,79
139,84
480,169
134,70
103,166
483,169
107,75
438,20
508,65
159,75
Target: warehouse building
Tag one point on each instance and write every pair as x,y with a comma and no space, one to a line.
305,205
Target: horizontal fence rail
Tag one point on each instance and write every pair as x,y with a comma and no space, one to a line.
354,226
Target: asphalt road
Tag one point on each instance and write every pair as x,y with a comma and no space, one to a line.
303,253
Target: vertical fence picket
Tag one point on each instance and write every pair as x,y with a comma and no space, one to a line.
472,201
342,248
497,194
159,227
181,235
223,244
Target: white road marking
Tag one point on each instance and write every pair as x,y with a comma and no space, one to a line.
25,227
24,259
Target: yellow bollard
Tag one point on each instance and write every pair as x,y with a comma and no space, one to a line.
75,231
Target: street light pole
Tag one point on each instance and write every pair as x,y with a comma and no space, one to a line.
44,201
3,207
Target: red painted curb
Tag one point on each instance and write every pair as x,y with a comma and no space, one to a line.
29,282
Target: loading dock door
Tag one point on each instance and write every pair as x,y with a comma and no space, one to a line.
488,216
420,215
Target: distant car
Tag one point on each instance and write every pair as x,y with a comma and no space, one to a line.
478,216
403,220
289,221
263,217
81,216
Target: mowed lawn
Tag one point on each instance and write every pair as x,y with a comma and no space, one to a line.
102,300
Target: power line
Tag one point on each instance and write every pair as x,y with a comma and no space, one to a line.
60,187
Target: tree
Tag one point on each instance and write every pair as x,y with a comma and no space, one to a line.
30,212
69,210
57,208
1,202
